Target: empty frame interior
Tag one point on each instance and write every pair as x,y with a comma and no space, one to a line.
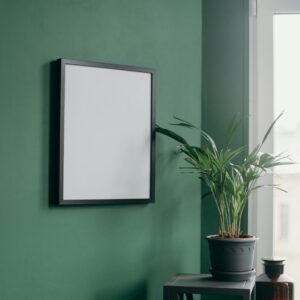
107,128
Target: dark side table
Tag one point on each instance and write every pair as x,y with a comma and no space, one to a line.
189,284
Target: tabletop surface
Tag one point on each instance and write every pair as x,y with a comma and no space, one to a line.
206,282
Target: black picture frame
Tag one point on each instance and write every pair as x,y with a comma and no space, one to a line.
74,179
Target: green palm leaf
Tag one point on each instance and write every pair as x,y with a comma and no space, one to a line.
230,174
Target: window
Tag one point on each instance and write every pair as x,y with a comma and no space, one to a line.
281,212
286,47
275,87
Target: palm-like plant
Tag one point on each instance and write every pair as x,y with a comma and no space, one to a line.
229,181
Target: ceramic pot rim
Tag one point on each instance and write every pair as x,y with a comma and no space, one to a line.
215,237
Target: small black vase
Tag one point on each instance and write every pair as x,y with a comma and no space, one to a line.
273,284
231,259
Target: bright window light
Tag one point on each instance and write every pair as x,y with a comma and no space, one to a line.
287,139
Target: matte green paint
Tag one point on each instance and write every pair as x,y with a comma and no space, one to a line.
225,87
102,252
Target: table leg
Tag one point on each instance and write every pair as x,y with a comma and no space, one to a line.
189,297
167,295
180,296
253,294
247,297
170,294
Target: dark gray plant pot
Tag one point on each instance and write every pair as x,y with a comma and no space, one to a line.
231,259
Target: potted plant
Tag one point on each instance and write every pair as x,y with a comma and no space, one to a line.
231,175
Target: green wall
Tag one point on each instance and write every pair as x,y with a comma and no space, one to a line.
101,252
225,87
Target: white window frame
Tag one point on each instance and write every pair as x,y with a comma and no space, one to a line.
260,213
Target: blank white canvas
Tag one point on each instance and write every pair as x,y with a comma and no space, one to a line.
107,134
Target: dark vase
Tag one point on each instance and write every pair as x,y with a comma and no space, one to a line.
273,284
231,259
